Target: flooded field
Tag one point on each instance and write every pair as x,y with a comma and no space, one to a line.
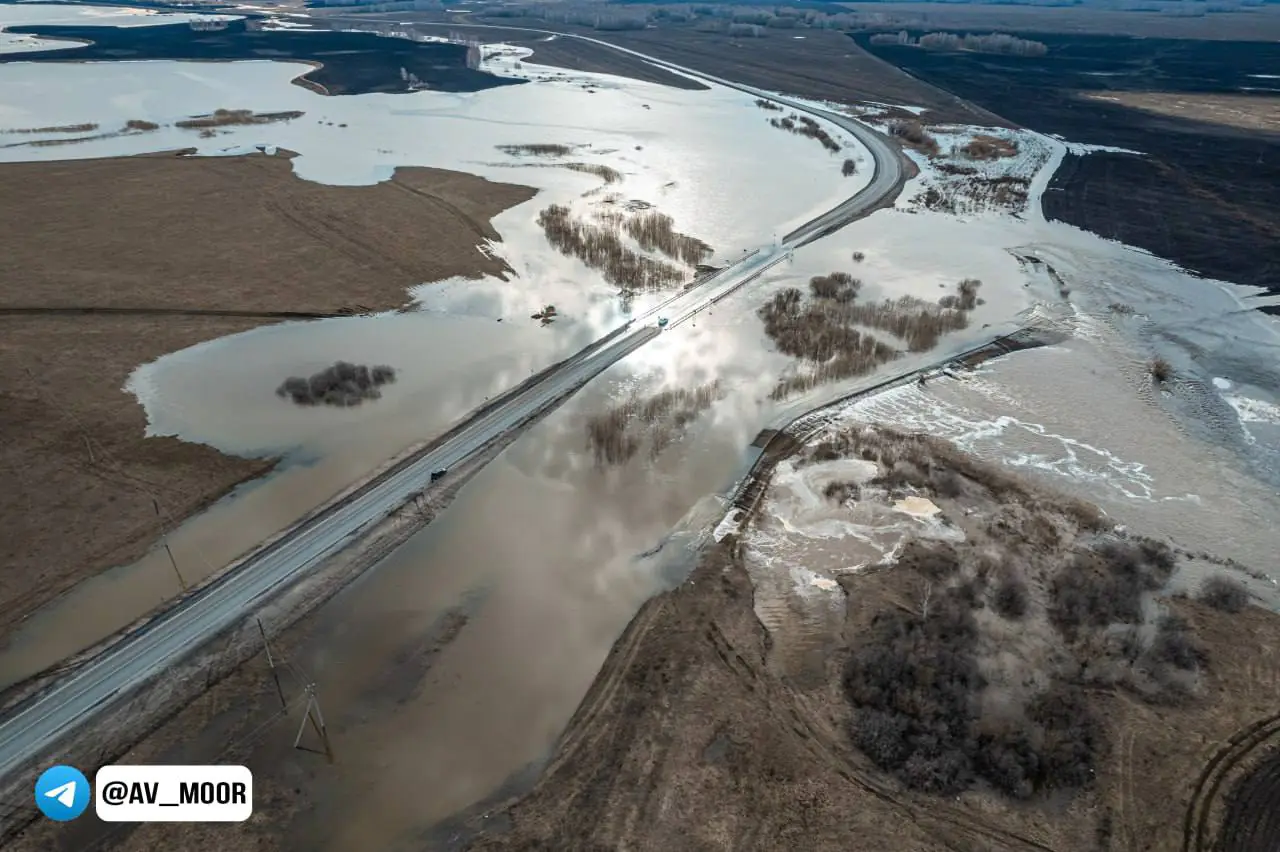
544,557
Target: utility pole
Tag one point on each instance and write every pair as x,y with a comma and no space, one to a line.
164,539
275,675
313,715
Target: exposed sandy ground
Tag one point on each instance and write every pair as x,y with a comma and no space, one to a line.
1259,24
696,736
1250,112
183,234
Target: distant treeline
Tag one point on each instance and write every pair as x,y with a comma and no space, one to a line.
989,43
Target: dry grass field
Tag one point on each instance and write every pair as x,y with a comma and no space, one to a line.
181,250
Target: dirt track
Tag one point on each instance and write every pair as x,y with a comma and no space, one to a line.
205,244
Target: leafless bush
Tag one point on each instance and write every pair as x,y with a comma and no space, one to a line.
140,124
984,147
849,167
965,298
1176,645
537,150
803,125
1120,308
615,436
914,134
769,105
1106,585
839,287
858,257
226,117
342,385
1011,598
1224,593
839,492
600,248
935,561
653,230
1160,369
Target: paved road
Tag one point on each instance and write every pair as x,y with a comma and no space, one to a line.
33,729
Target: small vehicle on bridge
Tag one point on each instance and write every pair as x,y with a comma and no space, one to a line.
438,472
662,322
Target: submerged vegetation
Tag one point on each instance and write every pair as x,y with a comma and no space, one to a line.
63,128
605,173
537,150
343,385
806,126
655,231
231,117
140,124
831,331
599,245
616,436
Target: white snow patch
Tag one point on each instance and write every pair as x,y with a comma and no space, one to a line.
1221,383
730,524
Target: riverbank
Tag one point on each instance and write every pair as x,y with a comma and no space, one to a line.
190,237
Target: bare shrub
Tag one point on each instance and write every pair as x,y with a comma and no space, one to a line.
1106,585
839,492
849,167
858,257
935,561
226,117
342,385
803,125
600,248
837,286
1161,370
1176,645
539,149
769,105
984,147
1011,598
913,133
653,230
140,124
1224,593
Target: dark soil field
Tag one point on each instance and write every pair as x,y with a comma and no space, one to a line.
193,249
824,65
1260,23
348,63
1202,194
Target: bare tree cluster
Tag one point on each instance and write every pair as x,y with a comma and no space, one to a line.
1001,43
537,149
769,105
655,231
225,117
617,435
342,385
966,296
600,248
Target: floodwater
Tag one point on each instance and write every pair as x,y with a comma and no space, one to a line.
549,556
685,153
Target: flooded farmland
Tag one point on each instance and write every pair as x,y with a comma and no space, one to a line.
456,663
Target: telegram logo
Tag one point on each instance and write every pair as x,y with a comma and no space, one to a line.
62,793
